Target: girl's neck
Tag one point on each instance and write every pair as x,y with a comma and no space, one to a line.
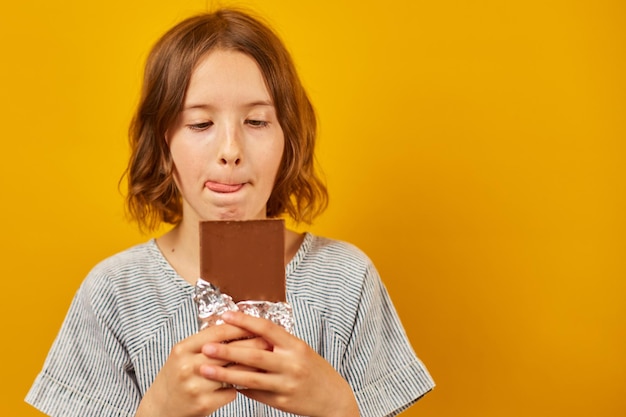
180,246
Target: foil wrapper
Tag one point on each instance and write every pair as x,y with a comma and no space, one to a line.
212,304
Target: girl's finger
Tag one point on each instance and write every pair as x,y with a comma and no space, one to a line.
253,343
273,333
250,357
214,334
242,377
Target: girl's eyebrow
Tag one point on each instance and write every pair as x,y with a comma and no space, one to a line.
206,106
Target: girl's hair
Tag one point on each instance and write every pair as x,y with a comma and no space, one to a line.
152,194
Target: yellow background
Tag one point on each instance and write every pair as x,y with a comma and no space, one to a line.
474,149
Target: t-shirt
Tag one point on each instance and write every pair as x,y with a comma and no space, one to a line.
132,308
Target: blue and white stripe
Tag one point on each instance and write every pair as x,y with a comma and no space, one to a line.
133,308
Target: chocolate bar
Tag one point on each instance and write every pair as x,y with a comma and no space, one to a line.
244,259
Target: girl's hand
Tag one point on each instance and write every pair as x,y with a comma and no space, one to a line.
180,390
293,377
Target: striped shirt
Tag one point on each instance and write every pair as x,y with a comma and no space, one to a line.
133,308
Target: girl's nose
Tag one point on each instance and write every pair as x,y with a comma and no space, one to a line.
230,147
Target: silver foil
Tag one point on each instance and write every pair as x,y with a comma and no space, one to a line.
212,304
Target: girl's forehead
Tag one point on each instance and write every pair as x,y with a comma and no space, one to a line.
225,77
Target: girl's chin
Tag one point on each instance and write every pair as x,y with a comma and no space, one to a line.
232,215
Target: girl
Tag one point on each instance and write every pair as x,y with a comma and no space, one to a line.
225,131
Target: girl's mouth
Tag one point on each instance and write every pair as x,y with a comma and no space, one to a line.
219,187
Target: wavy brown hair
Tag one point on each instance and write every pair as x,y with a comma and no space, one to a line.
153,197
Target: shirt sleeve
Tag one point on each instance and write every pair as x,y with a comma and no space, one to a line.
87,371
380,364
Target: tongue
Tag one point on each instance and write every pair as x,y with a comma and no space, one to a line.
223,188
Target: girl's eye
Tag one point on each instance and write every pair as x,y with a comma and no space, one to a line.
200,126
257,123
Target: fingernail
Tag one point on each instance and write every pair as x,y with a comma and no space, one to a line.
207,371
209,349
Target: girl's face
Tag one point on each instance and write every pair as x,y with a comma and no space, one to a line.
226,144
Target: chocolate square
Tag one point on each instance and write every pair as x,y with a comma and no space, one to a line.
244,259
